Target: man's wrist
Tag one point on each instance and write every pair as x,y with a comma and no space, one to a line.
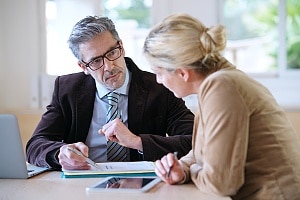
138,145
52,159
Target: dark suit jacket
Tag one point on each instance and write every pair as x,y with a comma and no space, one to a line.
153,111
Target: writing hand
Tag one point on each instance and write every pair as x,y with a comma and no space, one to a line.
70,160
163,166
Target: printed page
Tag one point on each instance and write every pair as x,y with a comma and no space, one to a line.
124,166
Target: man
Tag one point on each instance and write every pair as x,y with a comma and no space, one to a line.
76,116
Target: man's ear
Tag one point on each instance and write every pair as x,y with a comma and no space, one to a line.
123,50
83,67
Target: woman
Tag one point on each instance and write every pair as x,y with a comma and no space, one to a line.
243,144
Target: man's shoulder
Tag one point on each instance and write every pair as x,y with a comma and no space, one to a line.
75,80
78,75
74,77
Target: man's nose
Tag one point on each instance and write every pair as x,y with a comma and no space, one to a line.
107,64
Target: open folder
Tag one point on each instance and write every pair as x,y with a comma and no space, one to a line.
138,168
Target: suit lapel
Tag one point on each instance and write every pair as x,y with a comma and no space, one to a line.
136,106
137,97
85,97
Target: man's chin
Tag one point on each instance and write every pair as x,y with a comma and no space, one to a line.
113,85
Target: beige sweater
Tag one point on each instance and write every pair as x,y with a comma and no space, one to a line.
243,144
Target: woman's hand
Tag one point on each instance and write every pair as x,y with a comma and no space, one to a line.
169,169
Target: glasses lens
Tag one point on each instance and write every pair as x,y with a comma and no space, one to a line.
96,64
113,54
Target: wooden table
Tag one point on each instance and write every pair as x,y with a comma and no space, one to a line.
50,185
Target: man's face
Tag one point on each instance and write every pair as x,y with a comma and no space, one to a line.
112,74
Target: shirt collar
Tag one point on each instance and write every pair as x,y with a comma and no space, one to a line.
102,91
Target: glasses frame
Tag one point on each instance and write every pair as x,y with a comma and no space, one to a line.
87,64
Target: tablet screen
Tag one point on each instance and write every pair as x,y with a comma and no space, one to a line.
125,184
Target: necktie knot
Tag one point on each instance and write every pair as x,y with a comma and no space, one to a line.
113,98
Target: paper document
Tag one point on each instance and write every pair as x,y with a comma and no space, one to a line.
139,168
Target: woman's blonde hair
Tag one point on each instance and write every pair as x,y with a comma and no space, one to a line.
183,41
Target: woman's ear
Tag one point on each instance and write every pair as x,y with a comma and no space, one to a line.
83,67
184,74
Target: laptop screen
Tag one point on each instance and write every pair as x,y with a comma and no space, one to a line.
12,156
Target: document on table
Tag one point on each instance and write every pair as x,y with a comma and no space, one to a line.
138,168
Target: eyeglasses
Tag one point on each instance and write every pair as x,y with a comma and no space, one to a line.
98,62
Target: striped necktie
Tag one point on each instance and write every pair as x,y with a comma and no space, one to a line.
115,152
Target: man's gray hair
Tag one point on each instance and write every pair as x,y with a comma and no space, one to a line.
86,29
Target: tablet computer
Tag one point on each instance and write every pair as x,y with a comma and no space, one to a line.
124,184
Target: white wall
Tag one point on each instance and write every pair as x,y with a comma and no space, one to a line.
22,52
19,51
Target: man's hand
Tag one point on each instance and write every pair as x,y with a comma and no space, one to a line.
116,131
70,160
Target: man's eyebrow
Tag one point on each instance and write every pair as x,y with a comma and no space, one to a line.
111,48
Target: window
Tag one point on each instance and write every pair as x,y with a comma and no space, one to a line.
132,19
263,36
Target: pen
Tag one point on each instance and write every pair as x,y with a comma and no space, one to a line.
88,160
175,156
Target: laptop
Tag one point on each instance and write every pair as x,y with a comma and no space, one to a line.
13,163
